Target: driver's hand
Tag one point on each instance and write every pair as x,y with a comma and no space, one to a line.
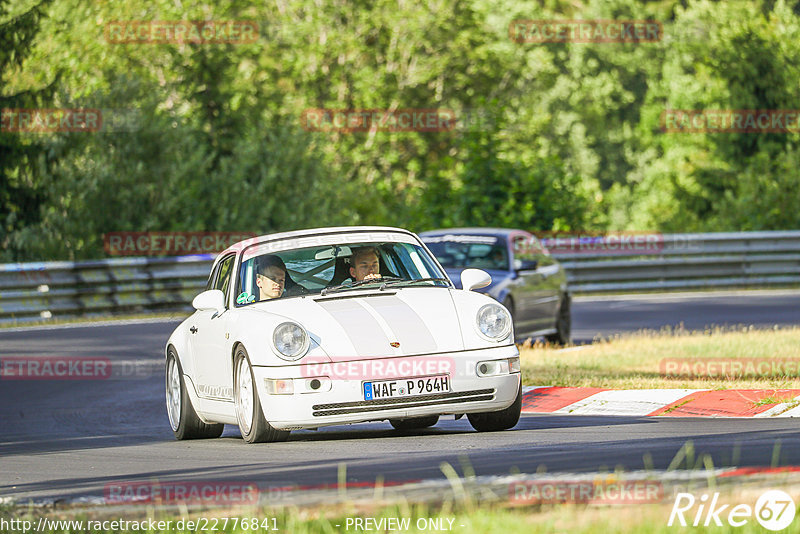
374,276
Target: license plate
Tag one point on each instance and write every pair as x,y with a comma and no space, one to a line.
406,387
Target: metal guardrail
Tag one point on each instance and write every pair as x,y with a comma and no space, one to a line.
32,291
691,261
35,291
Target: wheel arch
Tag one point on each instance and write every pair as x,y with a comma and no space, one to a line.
234,348
187,377
507,296
179,343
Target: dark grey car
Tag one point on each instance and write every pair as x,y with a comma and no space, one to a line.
529,282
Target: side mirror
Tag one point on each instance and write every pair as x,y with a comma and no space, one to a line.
525,265
472,279
213,299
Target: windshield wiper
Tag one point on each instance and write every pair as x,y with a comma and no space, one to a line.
401,281
350,285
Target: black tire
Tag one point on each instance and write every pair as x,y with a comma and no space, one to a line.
509,304
188,425
500,420
563,323
252,423
414,423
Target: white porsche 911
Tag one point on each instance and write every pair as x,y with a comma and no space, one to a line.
331,326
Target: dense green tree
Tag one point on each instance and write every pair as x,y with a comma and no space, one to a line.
21,157
567,136
745,59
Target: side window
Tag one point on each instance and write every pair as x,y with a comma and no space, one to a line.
545,258
223,278
525,248
211,279
528,248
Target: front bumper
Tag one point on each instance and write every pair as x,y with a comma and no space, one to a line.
343,402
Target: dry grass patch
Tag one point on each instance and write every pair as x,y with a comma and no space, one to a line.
765,359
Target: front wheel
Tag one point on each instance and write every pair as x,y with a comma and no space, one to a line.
252,424
500,420
509,305
563,323
414,423
183,419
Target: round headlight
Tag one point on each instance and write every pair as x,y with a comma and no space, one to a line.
290,341
494,322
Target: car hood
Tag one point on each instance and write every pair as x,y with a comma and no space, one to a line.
364,323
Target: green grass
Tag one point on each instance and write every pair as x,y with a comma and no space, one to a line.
772,399
633,361
467,509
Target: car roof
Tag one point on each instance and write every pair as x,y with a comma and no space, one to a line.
505,232
241,245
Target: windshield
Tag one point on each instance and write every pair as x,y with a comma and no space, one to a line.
332,268
462,251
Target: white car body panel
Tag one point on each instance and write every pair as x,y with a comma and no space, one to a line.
403,328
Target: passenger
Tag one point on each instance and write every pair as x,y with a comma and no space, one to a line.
270,277
365,264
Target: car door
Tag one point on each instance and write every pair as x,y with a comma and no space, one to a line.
209,339
551,280
525,283
537,284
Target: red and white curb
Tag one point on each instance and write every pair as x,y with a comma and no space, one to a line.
663,402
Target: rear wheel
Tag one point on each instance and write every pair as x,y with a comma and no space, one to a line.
500,420
563,323
183,419
414,423
252,424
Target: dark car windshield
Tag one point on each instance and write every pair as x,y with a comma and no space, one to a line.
466,251
326,269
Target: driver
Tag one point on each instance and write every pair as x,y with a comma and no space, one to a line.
365,264
270,277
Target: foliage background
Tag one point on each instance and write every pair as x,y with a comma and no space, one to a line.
560,136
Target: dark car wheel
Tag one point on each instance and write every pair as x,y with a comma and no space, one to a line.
509,305
563,323
500,420
183,419
414,423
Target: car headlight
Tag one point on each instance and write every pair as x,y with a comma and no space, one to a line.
290,341
493,322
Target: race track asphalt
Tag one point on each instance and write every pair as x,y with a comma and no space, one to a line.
68,439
